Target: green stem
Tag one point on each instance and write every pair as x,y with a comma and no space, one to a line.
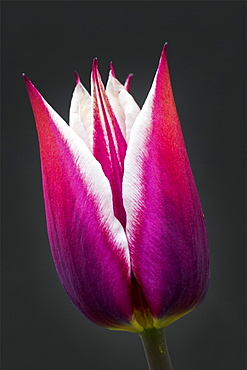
156,350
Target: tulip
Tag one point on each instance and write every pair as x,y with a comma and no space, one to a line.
124,219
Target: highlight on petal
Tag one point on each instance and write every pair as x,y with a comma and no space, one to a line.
88,243
123,104
165,224
80,113
109,145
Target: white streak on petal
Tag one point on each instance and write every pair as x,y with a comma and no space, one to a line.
80,114
98,185
123,104
112,94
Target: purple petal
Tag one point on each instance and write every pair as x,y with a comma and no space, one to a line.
165,224
88,243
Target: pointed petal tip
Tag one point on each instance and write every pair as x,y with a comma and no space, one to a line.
29,84
164,49
77,77
163,56
95,67
95,62
127,82
26,79
112,70
31,89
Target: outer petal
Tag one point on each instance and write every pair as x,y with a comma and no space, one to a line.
123,104
165,225
88,243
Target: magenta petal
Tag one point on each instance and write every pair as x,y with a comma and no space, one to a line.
165,224
109,145
88,243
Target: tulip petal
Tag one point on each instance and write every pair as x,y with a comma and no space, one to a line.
127,82
123,104
88,243
165,225
109,145
112,95
80,113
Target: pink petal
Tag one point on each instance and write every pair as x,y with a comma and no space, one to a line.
165,224
109,145
88,243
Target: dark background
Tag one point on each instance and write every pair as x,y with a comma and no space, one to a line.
206,51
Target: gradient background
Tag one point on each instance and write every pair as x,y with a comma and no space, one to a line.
206,51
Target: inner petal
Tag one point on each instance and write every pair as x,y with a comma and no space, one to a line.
109,145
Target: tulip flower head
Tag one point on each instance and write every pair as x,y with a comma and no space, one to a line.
124,219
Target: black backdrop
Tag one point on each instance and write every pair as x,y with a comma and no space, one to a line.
206,51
